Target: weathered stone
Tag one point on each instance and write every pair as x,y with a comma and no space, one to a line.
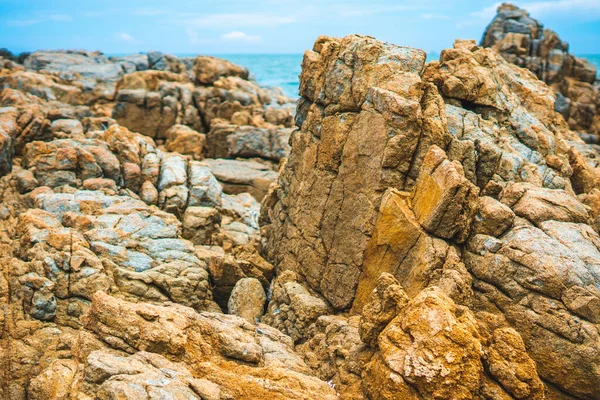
336,354
292,308
508,361
231,141
26,181
247,300
523,41
184,140
209,69
200,224
270,368
443,200
238,176
386,301
348,125
493,218
538,205
420,349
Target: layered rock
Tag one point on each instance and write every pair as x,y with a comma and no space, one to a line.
97,218
141,351
523,41
451,206
432,235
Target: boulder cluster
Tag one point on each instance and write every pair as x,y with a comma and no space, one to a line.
428,231
131,184
523,41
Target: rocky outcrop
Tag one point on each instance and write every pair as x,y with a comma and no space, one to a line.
97,218
523,41
433,233
429,198
153,101
155,94
141,351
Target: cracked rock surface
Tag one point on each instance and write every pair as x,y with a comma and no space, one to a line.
449,206
427,231
525,42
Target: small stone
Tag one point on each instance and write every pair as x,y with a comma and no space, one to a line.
247,300
26,181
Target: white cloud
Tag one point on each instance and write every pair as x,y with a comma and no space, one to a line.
46,18
242,36
125,37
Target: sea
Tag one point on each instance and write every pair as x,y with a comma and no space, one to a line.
282,70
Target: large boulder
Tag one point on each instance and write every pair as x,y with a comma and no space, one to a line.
209,69
443,202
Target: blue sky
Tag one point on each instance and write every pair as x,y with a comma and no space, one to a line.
271,26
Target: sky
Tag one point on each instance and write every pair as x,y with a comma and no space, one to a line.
271,26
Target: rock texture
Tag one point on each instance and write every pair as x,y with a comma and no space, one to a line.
97,219
449,207
523,41
430,230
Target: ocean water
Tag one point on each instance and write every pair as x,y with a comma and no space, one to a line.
593,58
282,70
274,70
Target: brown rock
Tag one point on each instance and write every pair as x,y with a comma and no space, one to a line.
348,125
209,69
421,348
508,361
493,218
184,140
386,301
293,308
247,300
522,40
200,224
443,200
241,359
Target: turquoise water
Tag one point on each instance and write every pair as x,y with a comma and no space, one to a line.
279,70
282,70
593,58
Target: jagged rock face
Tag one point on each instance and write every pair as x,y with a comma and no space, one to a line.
325,229
432,235
322,220
445,203
523,41
91,206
